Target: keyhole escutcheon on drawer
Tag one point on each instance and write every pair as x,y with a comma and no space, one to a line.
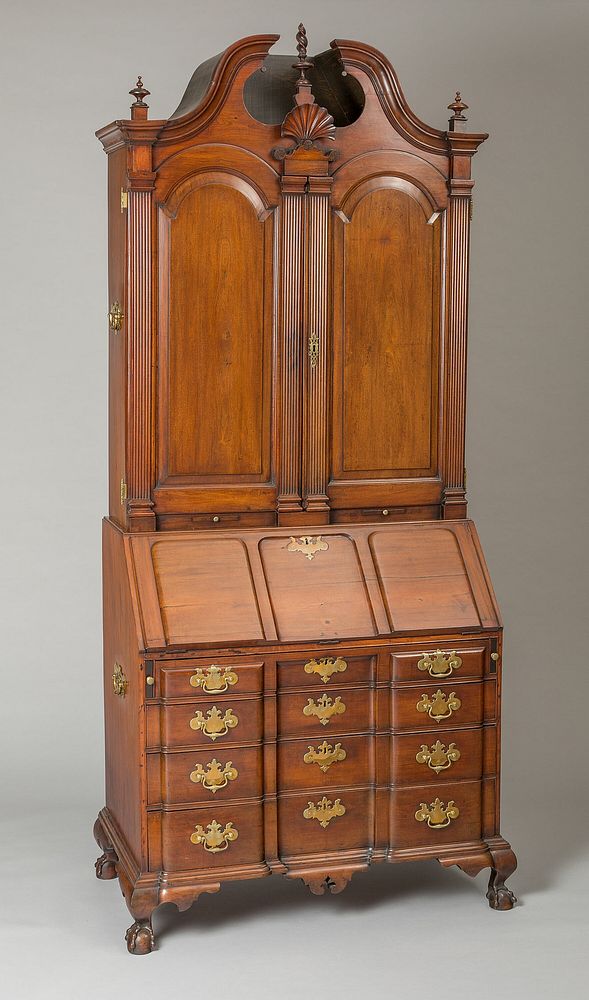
324,708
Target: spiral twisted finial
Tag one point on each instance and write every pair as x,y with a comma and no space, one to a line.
302,43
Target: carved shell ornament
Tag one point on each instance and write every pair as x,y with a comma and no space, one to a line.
306,123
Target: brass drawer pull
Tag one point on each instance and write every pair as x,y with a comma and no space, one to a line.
326,667
216,838
440,706
439,664
324,811
437,757
324,708
437,815
215,724
214,680
216,775
325,755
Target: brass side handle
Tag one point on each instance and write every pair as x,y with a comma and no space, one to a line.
326,667
215,838
437,757
214,680
324,811
439,664
215,776
436,814
115,317
324,755
119,681
215,724
440,706
324,708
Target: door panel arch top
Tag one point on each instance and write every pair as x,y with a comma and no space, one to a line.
215,440
386,347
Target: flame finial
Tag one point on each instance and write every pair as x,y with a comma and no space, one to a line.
303,94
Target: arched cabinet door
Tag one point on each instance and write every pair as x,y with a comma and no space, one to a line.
386,344
215,348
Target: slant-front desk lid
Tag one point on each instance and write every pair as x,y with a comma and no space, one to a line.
268,585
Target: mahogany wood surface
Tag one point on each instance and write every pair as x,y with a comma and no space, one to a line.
302,648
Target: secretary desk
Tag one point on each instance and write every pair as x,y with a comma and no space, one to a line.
302,649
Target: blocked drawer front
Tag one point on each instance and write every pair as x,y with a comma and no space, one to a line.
337,710
322,822
325,762
431,757
440,664
222,835
205,776
206,724
443,707
430,815
325,670
209,679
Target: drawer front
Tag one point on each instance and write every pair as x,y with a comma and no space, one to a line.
202,724
325,670
437,708
430,815
213,844
429,757
206,776
209,679
326,762
439,663
338,710
347,818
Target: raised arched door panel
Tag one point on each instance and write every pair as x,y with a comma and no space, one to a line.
215,348
386,344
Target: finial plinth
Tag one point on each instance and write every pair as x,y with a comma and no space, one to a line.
457,107
139,107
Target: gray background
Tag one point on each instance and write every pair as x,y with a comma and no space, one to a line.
522,68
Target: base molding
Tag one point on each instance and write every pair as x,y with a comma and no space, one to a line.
145,891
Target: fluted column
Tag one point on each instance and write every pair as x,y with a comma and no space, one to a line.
292,262
315,458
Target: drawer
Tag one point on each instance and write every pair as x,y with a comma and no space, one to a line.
326,762
325,670
437,820
341,711
347,817
211,775
439,663
431,707
233,835
208,678
433,757
202,724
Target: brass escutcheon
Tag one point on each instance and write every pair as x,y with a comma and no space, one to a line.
437,757
437,815
115,317
309,545
215,838
324,708
216,775
440,706
215,724
214,680
439,664
326,667
324,811
325,755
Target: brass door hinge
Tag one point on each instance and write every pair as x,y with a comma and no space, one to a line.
471,209
123,491
124,199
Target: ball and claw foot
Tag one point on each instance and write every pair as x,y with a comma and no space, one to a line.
499,896
106,865
139,938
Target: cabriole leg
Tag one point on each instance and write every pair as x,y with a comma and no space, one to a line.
105,865
504,865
